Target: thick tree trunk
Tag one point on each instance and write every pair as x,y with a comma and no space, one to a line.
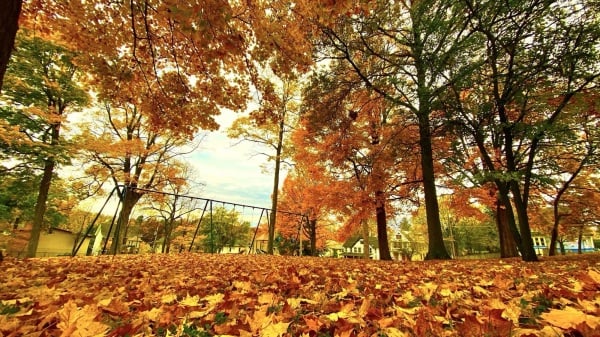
9,24
129,199
508,244
509,237
366,240
382,237
436,249
527,251
40,205
40,208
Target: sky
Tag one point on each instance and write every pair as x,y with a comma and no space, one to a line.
231,170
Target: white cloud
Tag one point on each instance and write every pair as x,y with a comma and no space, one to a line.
231,170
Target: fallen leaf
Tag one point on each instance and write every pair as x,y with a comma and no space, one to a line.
569,318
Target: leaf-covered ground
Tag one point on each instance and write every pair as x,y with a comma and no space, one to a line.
241,295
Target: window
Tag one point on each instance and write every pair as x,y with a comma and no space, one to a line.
360,249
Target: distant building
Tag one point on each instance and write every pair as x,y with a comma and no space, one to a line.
401,247
541,244
260,244
333,249
354,248
52,242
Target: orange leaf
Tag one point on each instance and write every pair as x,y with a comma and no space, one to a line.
569,318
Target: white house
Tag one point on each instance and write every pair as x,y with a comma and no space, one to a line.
354,248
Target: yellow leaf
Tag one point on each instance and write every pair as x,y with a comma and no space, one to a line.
569,318
512,313
190,301
410,311
364,307
594,275
588,306
576,286
335,316
407,297
274,330
496,303
105,302
480,291
152,314
394,332
546,331
23,313
213,300
445,292
428,289
243,286
168,298
74,321
295,302
267,298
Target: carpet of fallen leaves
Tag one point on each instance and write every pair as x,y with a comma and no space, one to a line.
241,295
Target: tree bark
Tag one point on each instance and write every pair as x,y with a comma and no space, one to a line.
274,197
527,251
40,205
40,208
313,236
366,240
129,199
436,249
9,24
554,234
382,237
580,240
508,244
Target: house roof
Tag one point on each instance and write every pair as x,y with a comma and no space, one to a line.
354,239
56,229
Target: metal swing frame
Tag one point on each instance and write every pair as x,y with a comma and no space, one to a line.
208,205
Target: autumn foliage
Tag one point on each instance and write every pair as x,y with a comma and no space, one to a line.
248,295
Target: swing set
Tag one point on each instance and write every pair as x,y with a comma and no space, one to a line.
208,209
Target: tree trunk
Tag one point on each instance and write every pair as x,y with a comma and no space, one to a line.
436,248
273,219
508,244
527,251
562,247
40,205
130,198
9,24
366,240
313,236
382,237
580,240
554,236
40,208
